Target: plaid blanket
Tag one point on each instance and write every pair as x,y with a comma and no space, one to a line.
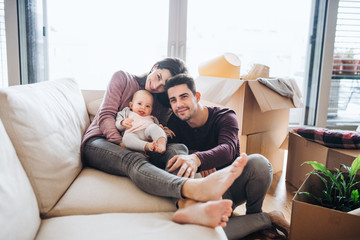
333,138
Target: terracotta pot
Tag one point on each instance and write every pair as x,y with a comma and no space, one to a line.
337,66
349,66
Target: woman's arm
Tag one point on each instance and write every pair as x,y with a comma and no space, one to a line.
112,101
122,115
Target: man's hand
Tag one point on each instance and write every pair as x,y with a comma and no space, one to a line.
206,173
187,164
127,123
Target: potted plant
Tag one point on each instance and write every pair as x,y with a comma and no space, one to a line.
320,208
341,188
349,63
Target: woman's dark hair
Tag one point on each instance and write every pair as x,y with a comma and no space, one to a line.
174,65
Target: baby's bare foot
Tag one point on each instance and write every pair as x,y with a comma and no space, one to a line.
214,186
150,147
160,145
209,214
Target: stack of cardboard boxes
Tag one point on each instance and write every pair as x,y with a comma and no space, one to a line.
263,117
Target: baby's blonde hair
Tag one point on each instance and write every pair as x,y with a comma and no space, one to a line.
143,92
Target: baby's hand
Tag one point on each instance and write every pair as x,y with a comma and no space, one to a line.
127,122
167,131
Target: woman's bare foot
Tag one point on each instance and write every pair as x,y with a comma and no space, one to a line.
213,186
279,222
160,145
209,214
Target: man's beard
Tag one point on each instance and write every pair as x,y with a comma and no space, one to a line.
184,117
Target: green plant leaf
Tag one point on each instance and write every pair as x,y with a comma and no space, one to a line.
327,195
355,196
355,166
318,199
317,166
343,183
320,167
322,179
347,168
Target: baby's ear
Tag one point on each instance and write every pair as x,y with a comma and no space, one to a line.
130,105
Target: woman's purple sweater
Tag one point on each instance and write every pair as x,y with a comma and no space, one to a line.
117,96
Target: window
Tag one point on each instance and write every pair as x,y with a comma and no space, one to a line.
90,40
3,60
344,99
277,38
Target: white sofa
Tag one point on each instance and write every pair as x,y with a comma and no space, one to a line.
47,193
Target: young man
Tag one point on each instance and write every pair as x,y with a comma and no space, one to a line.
211,135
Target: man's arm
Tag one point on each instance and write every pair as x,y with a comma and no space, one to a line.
227,145
222,154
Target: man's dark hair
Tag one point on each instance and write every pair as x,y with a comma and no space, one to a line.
179,80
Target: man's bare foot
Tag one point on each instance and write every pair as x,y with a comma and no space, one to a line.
209,214
150,147
279,222
213,186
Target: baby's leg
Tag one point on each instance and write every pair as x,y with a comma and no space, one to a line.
158,135
132,141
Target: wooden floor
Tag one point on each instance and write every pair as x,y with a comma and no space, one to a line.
279,197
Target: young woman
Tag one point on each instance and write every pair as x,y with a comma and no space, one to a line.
101,143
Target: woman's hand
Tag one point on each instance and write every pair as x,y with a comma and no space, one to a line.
127,123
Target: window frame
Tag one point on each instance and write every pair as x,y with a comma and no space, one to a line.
177,48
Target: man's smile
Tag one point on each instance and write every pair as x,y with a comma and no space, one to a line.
182,110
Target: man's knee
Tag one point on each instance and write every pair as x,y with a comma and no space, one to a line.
177,149
259,165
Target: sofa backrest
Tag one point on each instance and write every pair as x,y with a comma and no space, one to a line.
93,100
45,122
19,212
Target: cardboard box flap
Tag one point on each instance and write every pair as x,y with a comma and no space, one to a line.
217,90
268,99
351,152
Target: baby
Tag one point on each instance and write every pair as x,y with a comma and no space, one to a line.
140,126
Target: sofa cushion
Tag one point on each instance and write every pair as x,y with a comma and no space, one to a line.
93,100
124,226
46,121
95,192
19,212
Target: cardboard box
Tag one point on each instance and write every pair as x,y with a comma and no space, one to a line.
309,221
301,150
263,115
267,144
258,108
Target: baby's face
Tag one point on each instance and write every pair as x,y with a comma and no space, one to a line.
142,104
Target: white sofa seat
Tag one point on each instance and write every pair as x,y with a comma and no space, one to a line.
123,226
40,132
95,192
